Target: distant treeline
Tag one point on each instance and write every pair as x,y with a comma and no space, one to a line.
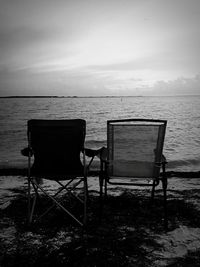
37,96
109,96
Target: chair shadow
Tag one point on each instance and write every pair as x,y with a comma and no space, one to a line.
118,239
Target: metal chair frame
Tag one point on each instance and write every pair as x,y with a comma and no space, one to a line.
105,179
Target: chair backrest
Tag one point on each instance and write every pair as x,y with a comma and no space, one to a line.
135,147
56,145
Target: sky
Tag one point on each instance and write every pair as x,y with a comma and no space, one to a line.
97,48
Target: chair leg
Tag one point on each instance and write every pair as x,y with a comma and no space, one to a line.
32,209
101,187
101,194
165,204
85,201
36,186
29,200
164,185
60,205
153,190
87,191
106,187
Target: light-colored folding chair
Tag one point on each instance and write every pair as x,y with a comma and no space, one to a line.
56,146
134,150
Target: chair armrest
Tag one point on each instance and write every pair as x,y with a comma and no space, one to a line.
27,151
94,153
91,153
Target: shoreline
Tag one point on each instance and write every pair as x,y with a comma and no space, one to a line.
15,171
92,96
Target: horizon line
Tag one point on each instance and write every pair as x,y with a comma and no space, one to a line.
103,96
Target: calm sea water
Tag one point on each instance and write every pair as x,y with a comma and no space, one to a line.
182,143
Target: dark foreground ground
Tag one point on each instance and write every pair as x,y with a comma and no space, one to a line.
130,232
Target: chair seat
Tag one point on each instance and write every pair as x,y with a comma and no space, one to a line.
56,175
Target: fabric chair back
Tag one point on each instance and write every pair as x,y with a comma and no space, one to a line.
57,145
135,147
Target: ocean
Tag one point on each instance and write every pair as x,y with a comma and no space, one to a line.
182,141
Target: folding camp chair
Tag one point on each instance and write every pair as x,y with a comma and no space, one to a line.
134,150
57,146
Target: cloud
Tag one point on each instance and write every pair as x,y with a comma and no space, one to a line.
119,45
23,36
83,81
180,86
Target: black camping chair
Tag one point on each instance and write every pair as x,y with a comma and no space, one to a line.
57,146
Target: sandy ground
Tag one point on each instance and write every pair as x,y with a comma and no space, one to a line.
178,246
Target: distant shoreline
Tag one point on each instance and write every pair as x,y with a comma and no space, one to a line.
107,96
67,96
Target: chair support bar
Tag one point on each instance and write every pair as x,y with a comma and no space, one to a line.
60,205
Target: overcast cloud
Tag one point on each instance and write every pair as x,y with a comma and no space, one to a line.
108,47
